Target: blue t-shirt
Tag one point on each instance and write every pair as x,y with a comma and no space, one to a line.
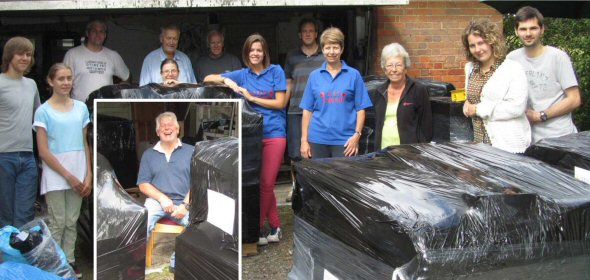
64,129
171,178
265,85
334,103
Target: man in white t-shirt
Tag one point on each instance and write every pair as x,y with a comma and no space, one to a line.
93,64
553,88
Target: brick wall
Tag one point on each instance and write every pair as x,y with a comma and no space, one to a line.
431,33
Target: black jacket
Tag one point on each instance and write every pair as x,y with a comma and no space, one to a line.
414,116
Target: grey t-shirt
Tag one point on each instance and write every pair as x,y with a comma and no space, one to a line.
298,66
18,101
548,75
207,65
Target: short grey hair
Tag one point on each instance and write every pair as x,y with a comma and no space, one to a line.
170,115
393,50
215,32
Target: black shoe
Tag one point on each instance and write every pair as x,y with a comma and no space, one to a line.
76,270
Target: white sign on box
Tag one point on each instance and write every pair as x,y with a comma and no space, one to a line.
582,174
221,211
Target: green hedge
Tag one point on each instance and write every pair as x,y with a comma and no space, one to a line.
572,36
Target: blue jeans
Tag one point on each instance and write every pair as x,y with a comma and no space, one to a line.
18,188
155,213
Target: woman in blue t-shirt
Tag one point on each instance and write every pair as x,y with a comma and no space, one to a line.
333,103
264,86
61,124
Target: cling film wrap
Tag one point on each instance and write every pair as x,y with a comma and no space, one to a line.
121,228
431,211
204,250
565,152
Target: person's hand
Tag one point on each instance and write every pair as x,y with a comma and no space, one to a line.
533,116
469,109
170,83
179,212
87,186
244,92
166,203
231,84
305,150
351,147
76,185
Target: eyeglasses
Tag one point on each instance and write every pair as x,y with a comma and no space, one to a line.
392,66
171,71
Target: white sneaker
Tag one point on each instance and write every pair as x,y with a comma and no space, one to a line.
262,241
273,238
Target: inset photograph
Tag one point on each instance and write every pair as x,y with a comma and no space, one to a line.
167,190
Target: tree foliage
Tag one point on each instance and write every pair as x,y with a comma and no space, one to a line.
572,36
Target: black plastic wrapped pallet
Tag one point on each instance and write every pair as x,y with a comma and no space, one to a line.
251,137
448,122
565,152
201,254
204,251
115,139
121,228
446,210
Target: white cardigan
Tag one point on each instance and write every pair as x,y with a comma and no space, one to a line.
503,106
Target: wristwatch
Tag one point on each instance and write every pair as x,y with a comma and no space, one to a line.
186,205
543,116
357,132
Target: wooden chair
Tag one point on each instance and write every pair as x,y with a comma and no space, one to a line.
164,225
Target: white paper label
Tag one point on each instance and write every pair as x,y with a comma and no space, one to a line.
329,276
221,211
582,174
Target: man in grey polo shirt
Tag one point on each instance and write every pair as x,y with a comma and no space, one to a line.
298,65
164,175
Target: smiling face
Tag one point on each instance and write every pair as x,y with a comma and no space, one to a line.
395,69
332,52
256,54
481,50
216,45
169,39
168,131
169,72
20,62
530,32
61,83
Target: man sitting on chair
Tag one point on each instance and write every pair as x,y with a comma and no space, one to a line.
164,175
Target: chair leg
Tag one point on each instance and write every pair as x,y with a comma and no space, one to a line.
150,248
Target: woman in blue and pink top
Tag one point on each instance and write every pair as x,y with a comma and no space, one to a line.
264,86
333,103
62,124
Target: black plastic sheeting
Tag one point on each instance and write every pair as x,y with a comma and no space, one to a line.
565,152
204,251
440,211
115,140
251,137
121,228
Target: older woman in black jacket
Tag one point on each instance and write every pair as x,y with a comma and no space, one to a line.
402,105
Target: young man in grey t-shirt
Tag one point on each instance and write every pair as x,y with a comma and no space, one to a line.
553,87
18,100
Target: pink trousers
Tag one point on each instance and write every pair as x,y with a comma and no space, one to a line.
273,150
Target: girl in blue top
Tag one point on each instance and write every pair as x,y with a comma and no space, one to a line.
61,124
264,86
333,103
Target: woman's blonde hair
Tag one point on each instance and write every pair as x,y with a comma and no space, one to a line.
490,33
332,35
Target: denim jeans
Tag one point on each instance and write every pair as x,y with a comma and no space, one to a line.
18,188
155,213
